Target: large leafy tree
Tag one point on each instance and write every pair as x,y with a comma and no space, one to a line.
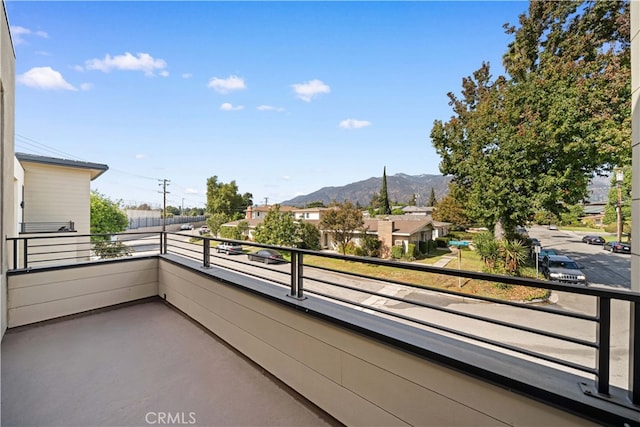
342,222
532,140
277,228
225,203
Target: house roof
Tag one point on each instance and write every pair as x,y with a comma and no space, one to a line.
267,208
418,209
401,226
96,169
404,226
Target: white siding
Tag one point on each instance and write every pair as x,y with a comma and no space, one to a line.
54,193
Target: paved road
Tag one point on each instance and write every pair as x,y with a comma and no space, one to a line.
600,266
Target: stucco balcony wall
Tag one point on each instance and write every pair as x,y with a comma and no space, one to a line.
45,294
358,380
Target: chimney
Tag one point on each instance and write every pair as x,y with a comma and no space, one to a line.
249,212
385,232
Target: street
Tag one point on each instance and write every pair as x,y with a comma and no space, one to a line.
601,267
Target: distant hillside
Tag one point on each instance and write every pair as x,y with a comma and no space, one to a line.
401,187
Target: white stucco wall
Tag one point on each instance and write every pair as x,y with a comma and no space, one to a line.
57,194
7,118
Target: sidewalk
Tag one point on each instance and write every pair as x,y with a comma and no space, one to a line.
442,262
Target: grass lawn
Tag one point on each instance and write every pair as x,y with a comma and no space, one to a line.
470,262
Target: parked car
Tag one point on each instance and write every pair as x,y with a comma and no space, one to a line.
553,227
522,231
544,252
186,227
268,256
593,240
204,230
561,268
229,248
619,247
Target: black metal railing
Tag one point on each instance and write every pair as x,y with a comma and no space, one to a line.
39,251
300,276
47,227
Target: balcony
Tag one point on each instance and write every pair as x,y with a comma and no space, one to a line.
47,227
365,350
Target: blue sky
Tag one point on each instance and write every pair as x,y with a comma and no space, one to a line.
283,97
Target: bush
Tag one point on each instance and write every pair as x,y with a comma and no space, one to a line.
397,252
412,251
442,242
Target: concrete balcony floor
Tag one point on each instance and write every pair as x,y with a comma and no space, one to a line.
138,365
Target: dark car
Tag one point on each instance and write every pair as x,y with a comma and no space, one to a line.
561,268
544,252
268,256
619,247
593,240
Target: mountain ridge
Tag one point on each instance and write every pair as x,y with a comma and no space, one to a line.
401,187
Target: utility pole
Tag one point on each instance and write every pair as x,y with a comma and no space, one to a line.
182,208
266,201
164,183
619,179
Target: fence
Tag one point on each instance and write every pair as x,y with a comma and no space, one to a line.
135,223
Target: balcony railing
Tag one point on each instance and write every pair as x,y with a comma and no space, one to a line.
47,227
577,341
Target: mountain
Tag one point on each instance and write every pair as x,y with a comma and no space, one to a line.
401,188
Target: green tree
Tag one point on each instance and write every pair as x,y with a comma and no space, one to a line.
385,208
432,198
224,198
224,203
317,204
452,208
532,141
277,228
106,215
308,236
107,218
342,222
235,233
172,210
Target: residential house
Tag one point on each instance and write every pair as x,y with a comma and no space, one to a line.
53,198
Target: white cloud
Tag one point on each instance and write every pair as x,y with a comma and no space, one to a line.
18,34
229,107
270,108
286,177
86,86
141,156
227,85
186,75
191,191
354,124
164,73
128,62
44,78
308,90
